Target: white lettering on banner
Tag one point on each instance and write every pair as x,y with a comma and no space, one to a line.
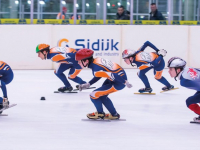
106,54
145,56
107,63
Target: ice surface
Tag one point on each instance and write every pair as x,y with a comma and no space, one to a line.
154,122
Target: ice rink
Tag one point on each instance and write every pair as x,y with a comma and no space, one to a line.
153,122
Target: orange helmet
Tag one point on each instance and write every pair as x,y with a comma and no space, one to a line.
41,47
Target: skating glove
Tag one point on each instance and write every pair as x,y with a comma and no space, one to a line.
128,85
83,86
162,52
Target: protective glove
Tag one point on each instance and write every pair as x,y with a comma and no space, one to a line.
162,52
83,86
128,85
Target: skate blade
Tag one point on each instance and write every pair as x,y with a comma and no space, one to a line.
3,114
12,105
65,92
106,120
116,119
194,122
169,90
146,93
85,89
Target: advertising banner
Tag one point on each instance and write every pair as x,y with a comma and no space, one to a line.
105,41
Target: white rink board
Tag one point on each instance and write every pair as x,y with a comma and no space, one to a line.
194,51
18,42
18,45
105,41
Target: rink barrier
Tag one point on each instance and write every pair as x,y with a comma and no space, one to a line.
96,22
18,43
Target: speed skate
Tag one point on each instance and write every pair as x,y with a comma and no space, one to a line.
194,122
12,105
169,90
146,93
3,114
65,92
107,120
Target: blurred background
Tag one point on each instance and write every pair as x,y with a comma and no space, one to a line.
179,10
105,26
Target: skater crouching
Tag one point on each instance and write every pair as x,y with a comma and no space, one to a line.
6,76
116,80
66,57
190,78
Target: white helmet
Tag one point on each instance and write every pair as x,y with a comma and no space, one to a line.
127,53
176,62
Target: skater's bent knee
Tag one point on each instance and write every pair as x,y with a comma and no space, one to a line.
189,101
94,95
158,75
71,77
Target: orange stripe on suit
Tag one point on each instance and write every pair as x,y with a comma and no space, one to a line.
102,74
158,74
58,58
3,66
143,67
72,76
97,94
1,63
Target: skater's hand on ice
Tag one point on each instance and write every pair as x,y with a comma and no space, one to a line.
83,86
128,85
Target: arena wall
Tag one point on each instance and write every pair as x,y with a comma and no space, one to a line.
18,42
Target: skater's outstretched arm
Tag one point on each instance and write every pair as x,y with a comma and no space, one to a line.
147,43
94,80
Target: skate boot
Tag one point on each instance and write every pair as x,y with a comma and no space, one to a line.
112,117
197,119
1,107
96,115
145,90
63,89
4,104
167,88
